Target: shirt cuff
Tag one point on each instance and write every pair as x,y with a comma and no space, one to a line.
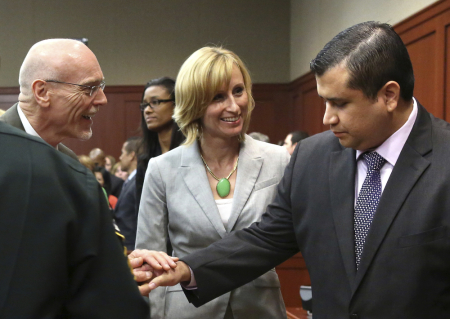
192,284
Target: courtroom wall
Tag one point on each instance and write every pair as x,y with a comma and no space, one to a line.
136,41
314,23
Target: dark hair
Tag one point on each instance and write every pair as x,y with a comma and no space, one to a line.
134,144
373,54
297,136
151,143
106,178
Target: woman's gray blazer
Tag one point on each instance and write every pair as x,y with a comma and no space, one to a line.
177,202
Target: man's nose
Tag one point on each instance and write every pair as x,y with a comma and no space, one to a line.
330,117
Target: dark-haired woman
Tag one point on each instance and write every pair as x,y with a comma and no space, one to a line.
160,132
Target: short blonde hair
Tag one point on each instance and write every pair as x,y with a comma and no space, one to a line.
200,78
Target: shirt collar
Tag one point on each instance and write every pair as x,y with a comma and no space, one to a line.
131,175
391,148
26,124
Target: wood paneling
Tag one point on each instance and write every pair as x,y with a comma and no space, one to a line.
293,274
308,106
272,113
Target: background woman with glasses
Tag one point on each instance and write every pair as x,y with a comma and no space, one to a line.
160,132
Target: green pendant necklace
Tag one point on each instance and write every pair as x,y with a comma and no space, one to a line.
223,186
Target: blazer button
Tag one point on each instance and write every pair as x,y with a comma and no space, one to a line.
354,316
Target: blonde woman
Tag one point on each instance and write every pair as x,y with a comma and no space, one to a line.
218,181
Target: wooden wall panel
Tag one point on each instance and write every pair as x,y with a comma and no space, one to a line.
308,106
427,59
276,122
313,111
447,72
425,35
293,274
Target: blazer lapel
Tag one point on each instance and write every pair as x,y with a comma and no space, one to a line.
193,171
342,189
12,117
250,163
409,167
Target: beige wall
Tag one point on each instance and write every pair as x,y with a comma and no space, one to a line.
314,23
138,40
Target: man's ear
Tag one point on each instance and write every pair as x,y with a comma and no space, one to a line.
390,93
41,93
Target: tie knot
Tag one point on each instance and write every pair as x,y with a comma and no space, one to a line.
374,161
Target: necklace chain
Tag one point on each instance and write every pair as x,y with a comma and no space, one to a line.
212,174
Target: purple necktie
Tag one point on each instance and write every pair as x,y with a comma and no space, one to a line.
367,201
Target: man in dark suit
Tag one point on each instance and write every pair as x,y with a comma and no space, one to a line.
126,211
59,255
366,203
61,90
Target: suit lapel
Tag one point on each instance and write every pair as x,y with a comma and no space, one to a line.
250,163
409,168
193,172
342,189
12,117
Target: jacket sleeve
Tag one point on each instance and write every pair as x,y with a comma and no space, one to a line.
152,227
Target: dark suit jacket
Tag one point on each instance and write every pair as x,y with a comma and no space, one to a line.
126,213
59,255
11,117
116,185
405,267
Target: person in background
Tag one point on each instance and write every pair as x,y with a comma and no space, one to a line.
109,162
260,137
292,140
219,181
117,171
87,162
104,178
160,132
126,212
99,159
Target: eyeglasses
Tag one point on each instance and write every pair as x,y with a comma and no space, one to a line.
93,88
153,104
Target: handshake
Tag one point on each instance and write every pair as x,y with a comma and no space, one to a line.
155,268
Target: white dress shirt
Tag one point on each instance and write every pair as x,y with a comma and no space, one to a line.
389,150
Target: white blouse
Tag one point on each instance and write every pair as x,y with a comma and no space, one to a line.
224,206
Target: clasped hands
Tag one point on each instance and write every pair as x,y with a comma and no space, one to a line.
155,268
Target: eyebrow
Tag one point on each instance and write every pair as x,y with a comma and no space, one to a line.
333,99
93,82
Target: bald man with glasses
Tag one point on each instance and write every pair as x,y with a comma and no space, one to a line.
61,90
